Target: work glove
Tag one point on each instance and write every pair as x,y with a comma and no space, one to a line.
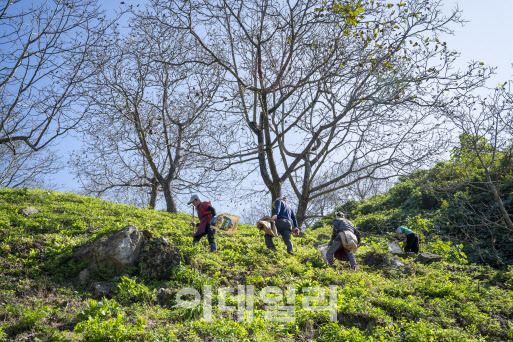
274,218
296,231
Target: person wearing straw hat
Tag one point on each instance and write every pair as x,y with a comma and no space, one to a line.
205,213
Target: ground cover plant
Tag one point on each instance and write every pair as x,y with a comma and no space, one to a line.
41,298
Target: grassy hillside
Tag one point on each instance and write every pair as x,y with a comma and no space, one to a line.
40,298
452,201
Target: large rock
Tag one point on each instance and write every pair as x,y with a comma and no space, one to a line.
427,258
115,251
157,258
28,211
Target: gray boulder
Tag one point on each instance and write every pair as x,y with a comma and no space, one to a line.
410,255
101,289
427,258
115,251
391,262
28,211
83,276
157,258
394,262
165,296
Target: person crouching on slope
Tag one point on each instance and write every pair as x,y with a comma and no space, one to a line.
285,220
410,238
343,236
205,213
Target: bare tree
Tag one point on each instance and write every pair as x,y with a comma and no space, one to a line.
150,115
26,168
486,125
43,49
358,83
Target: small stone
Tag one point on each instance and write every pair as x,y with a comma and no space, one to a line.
83,276
101,289
407,270
427,258
394,262
28,211
164,296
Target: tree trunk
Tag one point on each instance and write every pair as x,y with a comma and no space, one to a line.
275,193
153,193
498,199
170,200
301,211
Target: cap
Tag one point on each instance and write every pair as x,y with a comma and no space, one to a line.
340,214
194,197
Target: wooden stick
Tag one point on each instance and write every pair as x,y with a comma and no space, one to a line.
193,228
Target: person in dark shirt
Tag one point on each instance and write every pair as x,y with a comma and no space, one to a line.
205,213
341,225
285,221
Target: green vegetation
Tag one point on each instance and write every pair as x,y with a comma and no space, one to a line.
449,201
41,299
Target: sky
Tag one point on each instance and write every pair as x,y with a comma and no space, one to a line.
487,37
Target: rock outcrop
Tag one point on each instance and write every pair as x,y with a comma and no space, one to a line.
157,258
115,251
28,211
127,248
427,258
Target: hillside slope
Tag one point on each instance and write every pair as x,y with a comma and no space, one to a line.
41,299
450,200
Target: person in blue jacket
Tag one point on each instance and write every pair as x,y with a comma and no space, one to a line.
285,224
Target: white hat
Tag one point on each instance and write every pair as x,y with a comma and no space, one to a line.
194,197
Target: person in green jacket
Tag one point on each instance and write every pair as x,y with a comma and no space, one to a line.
411,238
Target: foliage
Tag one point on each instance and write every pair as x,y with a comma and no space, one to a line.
128,290
448,206
113,329
448,301
449,250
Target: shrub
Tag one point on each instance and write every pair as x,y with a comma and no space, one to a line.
450,251
102,309
96,329
128,291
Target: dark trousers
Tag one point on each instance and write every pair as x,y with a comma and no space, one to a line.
284,228
210,233
412,243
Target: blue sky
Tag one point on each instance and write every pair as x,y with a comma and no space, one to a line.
487,37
